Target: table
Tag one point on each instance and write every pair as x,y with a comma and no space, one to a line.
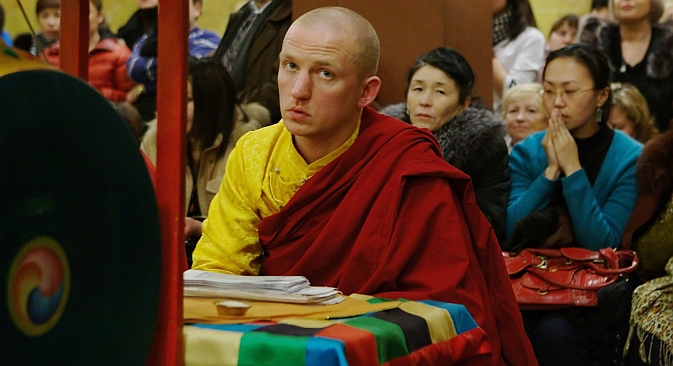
411,333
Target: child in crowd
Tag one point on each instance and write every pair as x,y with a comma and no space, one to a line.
49,18
107,58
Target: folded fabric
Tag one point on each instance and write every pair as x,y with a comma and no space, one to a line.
413,332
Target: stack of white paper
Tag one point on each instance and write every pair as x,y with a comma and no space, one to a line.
292,289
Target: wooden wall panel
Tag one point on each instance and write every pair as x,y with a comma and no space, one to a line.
469,31
409,28
406,29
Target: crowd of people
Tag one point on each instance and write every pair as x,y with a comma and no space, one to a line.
290,171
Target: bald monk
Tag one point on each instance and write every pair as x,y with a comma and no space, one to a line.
354,199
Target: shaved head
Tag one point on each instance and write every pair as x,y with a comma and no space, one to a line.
365,41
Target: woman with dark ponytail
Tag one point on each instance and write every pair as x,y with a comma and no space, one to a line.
581,167
215,121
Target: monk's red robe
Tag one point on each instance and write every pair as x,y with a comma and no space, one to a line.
391,218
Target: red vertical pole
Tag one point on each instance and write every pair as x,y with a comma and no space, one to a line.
74,37
173,29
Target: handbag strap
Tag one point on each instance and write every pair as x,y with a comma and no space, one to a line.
612,273
624,256
616,261
545,276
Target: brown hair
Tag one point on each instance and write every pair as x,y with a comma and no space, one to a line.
571,19
46,4
633,104
131,115
98,4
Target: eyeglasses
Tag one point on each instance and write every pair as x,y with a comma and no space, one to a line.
564,94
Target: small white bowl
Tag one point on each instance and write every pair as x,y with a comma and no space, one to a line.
230,307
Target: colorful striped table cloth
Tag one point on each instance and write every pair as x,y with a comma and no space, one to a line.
415,333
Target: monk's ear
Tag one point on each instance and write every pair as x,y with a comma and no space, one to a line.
370,90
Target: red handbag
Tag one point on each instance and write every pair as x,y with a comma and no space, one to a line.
545,279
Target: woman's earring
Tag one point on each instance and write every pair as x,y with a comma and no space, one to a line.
599,115
407,111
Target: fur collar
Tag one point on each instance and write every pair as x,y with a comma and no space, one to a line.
469,133
654,172
659,62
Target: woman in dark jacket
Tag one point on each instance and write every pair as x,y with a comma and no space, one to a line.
439,88
640,52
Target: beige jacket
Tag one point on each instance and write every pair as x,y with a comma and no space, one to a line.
211,169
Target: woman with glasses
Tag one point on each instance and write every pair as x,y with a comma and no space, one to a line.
582,167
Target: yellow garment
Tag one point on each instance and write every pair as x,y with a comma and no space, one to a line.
203,310
211,167
262,174
13,60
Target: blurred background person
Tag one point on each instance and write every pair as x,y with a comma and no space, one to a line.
130,114
201,42
600,9
49,20
563,33
250,48
3,32
650,234
142,65
107,58
518,47
630,113
667,16
23,41
598,14
215,121
140,34
141,22
524,112
439,98
591,23
639,54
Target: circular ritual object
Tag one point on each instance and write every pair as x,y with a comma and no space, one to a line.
80,259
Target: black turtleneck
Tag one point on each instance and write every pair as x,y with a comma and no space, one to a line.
592,151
